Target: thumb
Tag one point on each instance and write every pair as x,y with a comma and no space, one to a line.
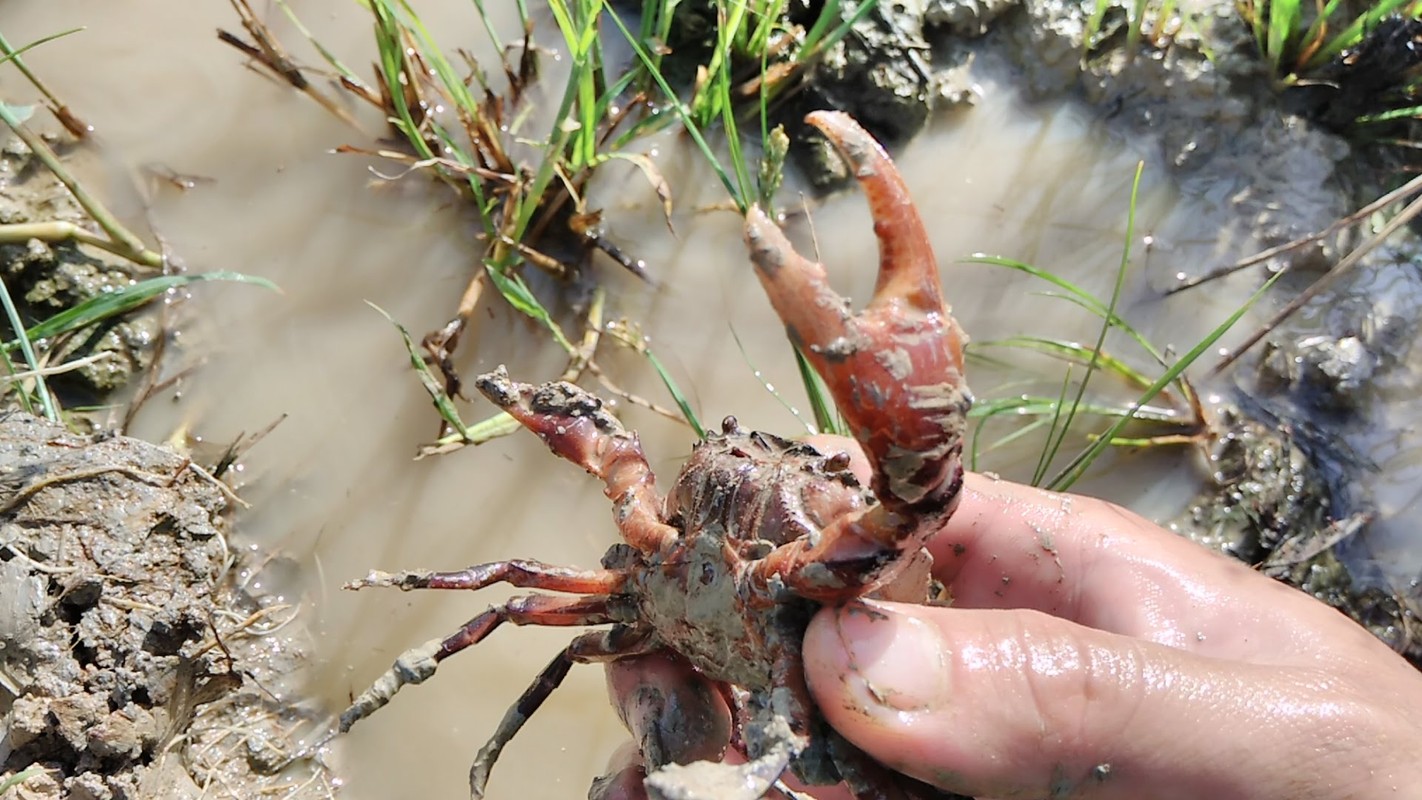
1013,703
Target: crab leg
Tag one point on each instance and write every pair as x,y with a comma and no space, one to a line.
623,641
895,370
418,664
523,573
575,426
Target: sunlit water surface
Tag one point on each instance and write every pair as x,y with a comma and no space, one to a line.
334,486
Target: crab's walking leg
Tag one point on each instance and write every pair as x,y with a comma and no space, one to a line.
622,641
575,426
418,664
895,369
522,573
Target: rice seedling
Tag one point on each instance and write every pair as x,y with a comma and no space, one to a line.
478,128
1164,408
1296,38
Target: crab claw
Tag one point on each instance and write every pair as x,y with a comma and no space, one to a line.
895,368
576,427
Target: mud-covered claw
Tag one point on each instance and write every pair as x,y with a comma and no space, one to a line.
710,780
570,420
576,427
895,369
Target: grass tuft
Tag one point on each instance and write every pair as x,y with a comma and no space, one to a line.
1055,418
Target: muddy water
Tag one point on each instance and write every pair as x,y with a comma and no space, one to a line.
334,488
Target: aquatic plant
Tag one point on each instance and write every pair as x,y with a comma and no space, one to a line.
1296,38
476,133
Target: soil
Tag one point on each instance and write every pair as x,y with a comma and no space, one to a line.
133,660
135,663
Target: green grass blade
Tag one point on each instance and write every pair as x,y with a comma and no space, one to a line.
489,31
1394,114
575,36
1076,353
10,371
821,403
1322,18
682,403
1054,443
1093,26
1073,471
521,298
1283,16
14,53
683,113
20,777
326,54
110,304
1355,30
759,376
1076,295
1056,432
433,386
27,348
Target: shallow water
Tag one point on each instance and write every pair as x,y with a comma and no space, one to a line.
334,487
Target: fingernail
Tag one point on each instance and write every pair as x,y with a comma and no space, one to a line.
900,662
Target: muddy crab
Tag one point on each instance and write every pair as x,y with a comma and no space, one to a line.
719,578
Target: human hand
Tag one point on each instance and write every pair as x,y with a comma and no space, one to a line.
1090,654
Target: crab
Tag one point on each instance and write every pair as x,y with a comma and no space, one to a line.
717,580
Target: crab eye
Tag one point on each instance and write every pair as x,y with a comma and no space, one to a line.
838,462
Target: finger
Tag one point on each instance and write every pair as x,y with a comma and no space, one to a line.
1093,562
1020,704
624,778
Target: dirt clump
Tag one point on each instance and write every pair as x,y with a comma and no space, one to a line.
132,661
49,277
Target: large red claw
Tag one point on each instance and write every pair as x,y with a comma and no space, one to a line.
895,368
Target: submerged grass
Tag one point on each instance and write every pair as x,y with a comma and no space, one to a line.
1056,418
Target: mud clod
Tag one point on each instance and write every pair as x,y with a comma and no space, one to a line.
122,644
52,277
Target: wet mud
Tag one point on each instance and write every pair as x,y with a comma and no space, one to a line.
136,663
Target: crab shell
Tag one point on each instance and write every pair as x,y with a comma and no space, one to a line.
741,495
